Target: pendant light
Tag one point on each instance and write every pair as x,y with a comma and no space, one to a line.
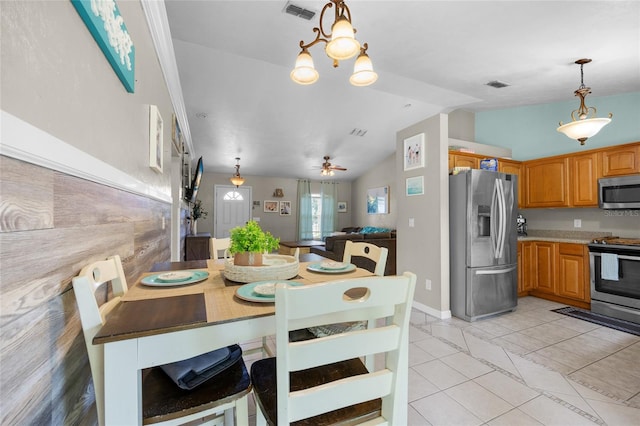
236,179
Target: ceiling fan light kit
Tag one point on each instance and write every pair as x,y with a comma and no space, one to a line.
340,44
581,126
328,168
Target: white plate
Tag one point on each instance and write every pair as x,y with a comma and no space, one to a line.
175,276
265,289
332,265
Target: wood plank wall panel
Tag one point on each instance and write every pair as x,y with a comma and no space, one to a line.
20,213
52,225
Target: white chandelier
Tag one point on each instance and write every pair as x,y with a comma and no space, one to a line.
582,127
341,44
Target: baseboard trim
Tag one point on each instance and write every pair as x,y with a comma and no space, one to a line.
25,142
431,311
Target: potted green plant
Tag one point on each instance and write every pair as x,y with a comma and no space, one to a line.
249,242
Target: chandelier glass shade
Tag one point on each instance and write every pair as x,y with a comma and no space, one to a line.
584,123
340,44
236,179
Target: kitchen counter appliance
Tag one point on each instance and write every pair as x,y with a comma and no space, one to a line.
622,192
615,277
483,243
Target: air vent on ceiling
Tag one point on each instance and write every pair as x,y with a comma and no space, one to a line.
299,11
358,132
498,84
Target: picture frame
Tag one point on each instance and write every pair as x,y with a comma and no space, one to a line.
156,130
285,208
342,206
415,186
176,136
271,206
378,200
111,35
414,152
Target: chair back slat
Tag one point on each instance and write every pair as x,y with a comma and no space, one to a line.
217,244
384,302
345,392
370,251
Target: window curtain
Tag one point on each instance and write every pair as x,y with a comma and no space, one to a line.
305,219
329,194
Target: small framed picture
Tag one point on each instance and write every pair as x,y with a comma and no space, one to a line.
270,206
155,139
414,153
285,208
342,206
415,186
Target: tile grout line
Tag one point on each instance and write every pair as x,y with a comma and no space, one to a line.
519,379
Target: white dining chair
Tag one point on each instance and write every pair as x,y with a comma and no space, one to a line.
371,251
218,244
163,401
323,380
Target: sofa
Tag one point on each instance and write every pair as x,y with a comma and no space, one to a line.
334,247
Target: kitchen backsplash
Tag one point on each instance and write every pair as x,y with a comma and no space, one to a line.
624,223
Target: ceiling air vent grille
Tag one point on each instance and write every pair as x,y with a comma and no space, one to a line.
498,84
358,132
298,11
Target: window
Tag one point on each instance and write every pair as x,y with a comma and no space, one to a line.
316,216
233,196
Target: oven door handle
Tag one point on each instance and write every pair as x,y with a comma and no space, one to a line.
621,256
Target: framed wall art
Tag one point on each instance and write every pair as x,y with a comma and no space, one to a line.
270,206
414,153
415,186
285,208
106,25
155,139
342,206
378,200
176,136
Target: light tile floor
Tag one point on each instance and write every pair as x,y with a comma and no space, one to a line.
528,367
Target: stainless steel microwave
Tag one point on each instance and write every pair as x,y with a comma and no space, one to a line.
619,192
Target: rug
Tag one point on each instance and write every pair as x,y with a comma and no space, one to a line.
605,321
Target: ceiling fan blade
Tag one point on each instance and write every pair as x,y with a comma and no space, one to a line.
337,168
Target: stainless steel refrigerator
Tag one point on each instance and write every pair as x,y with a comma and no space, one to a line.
483,243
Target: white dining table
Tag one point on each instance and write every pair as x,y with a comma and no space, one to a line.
158,325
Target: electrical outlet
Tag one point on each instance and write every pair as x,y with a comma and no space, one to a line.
427,284
164,225
257,219
412,222
577,223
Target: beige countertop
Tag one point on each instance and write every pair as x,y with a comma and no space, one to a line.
561,236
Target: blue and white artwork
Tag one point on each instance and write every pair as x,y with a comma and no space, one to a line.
106,25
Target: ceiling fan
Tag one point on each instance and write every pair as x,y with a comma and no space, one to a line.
328,168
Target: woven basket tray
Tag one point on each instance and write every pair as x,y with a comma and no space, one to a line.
276,267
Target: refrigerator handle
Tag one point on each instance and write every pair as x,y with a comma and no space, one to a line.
492,219
502,233
495,271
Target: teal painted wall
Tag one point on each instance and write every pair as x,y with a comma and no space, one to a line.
530,131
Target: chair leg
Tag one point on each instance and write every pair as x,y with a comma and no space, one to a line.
260,420
242,411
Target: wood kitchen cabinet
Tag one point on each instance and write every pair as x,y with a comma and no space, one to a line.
547,182
554,271
573,271
544,257
462,160
196,247
526,268
515,168
584,173
619,161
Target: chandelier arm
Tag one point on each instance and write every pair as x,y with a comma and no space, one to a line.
324,9
317,40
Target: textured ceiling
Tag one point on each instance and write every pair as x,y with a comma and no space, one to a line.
234,60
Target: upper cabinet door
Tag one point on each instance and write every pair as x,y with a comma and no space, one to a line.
584,172
621,161
547,182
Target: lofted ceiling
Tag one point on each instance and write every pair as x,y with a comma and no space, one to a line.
234,60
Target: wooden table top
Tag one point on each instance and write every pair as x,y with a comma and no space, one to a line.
146,311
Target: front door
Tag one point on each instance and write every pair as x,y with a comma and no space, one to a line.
232,208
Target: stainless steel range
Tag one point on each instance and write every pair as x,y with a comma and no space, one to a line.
615,277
